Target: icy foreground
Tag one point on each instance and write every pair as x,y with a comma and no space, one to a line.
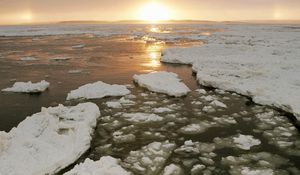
162,82
106,166
258,61
98,90
48,141
28,87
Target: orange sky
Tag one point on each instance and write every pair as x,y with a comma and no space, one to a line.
32,11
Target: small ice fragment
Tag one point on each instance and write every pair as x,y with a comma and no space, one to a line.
28,87
98,90
162,82
28,59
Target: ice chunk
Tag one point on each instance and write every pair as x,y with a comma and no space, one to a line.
105,166
48,141
162,110
218,104
256,164
172,169
28,87
194,148
75,71
114,104
28,59
196,128
150,159
98,90
162,82
79,46
142,117
245,141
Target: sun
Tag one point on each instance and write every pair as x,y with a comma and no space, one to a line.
153,12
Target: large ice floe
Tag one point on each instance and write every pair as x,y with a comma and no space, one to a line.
260,61
48,141
105,166
162,82
28,87
97,90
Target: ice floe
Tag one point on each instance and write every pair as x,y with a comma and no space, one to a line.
258,163
257,61
162,82
48,141
105,166
28,59
28,87
196,128
97,90
150,159
114,104
141,118
172,169
240,141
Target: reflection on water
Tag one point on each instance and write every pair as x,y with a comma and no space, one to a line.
154,54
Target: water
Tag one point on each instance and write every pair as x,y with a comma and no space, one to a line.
115,59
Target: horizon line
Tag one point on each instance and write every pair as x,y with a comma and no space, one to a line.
129,21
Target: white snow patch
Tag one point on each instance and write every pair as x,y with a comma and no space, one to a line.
162,82
98,90
105,166
28,87
48,141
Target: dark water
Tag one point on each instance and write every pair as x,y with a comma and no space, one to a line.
110,60
116,60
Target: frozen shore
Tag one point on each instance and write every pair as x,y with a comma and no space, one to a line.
48,141
258,61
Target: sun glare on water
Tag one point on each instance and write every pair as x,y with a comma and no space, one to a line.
154,12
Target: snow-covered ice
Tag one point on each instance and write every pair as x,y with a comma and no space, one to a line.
150,159
162,82
97,90
105,166
28,87
48,141
260,61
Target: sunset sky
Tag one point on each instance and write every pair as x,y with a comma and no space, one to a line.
35,11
